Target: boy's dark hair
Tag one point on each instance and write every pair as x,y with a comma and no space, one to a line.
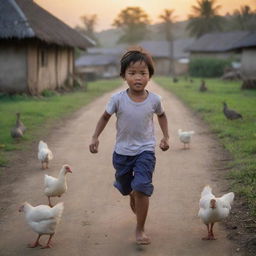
133,55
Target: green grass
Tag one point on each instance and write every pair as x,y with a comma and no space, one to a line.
237,136
37,112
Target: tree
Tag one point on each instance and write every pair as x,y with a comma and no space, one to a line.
244,19
168,19
133,22
205,18
88,28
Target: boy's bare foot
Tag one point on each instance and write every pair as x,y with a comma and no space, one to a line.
132,202
142,238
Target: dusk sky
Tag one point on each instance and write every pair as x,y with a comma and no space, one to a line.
70,11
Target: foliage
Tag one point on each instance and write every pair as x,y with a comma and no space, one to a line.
48,93
237,136
204,18
243,19
88,28
37,113
168,20
207,67
133,22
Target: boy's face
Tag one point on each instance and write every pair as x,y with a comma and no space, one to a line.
137,76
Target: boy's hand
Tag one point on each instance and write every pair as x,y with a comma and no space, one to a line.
94,145
164,144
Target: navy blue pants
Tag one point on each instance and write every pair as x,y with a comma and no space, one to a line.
134,172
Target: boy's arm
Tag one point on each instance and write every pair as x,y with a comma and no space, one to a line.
162,120
99,128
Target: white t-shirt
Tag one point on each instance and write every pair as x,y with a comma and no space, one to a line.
135,127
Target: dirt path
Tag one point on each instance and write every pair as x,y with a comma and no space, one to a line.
97,220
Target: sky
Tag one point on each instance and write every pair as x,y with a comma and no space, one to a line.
70,11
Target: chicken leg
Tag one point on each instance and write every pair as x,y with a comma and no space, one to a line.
210,233
48,245
36,243
49,201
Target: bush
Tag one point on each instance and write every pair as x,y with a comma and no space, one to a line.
208,67
48,93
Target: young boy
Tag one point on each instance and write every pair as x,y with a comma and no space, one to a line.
134,157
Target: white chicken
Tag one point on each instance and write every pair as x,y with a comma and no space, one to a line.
56,186
43,220
44,154
213,209
185,137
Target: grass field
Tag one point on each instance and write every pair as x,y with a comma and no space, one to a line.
37,112
237,136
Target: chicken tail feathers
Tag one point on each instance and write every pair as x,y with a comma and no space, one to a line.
42,144
206,191
58,209
229,197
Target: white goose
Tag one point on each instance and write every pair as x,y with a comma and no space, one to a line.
44,154
213,209
43,220
56,186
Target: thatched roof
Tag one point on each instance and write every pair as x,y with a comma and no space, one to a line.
217,42
22,19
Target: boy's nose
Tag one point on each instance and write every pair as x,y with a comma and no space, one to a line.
138,76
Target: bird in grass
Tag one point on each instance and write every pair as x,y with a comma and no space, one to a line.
20,123
230,113
18,130
213,209
203,87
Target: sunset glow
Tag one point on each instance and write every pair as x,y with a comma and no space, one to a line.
71,11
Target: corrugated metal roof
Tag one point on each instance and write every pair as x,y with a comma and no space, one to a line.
217,42
158,49
247,41
96,60
25,19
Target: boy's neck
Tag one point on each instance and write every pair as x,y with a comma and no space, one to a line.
137,96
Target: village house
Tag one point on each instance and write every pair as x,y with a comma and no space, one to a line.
104,62
161,53
36,48
247,46
99,63
217,45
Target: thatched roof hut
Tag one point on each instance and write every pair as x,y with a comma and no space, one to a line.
36,48
23,19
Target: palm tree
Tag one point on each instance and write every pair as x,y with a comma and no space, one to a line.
168,19
244,19
205,18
